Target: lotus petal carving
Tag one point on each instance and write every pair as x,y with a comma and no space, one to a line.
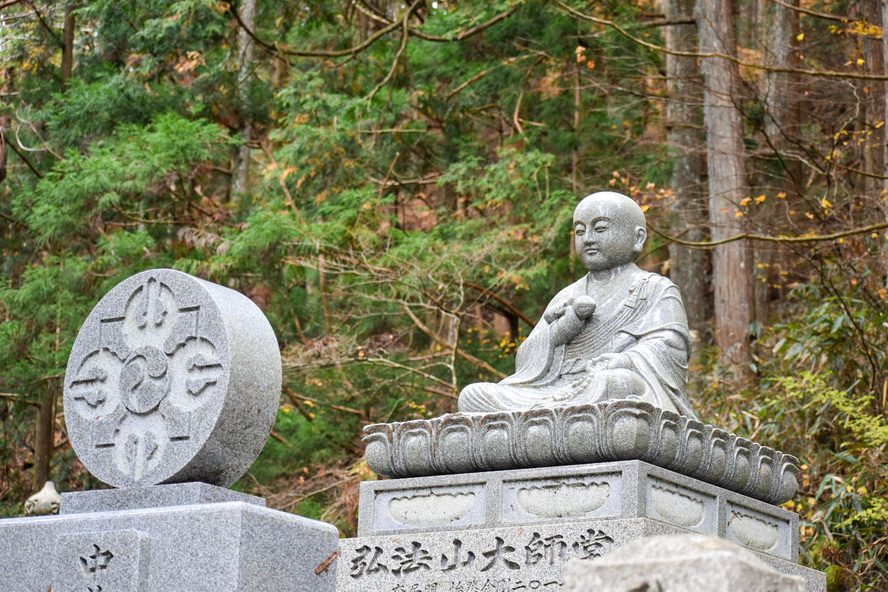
753,531
676,506
602,432
432,509
562,501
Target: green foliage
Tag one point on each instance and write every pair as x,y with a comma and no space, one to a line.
854,411
408,207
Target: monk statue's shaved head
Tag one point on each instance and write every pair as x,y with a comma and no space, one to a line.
617,333
629,211
609,232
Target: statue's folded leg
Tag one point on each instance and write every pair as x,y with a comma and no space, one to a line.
606,385
480,397
489,397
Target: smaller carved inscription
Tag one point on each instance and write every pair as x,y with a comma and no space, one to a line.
480,585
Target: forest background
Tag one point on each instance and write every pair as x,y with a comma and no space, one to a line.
393,185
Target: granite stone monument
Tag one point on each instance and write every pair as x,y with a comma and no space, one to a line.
617,333
591,444
171,391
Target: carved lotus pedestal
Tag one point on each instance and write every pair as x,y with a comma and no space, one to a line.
501,501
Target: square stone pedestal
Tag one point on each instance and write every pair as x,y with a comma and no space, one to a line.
189,544
512,530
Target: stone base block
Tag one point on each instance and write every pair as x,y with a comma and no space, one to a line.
564,495
517,558
230,546
157,496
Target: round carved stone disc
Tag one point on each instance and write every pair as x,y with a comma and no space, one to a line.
171,379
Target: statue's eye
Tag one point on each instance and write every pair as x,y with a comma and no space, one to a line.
600,227
579,231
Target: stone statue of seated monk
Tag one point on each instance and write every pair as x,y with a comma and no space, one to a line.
617,333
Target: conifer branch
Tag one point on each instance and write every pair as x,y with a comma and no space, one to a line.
274,47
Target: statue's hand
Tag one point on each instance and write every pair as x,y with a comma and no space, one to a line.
608,362
554,313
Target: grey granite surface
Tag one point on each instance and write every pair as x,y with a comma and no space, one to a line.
217,547
618,333
563,495
156,496
171,379
678,563
503,559
99,561
601,432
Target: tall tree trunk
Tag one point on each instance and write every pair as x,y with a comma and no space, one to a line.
885,93
874,101
6,77
68,46
884,85
732,262
44,436
575,159
781,100
684,113
240,180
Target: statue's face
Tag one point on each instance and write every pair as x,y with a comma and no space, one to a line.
606,233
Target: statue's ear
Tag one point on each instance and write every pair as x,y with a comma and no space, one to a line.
640,237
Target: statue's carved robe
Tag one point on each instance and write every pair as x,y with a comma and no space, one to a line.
639,314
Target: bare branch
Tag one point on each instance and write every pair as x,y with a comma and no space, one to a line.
823,15
808,238
23,158
295,397
673,21
463,354
469,32
46,26
20,399
401,48
474,78
508,305
14,221
431,377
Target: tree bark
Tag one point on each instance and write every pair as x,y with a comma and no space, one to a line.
240,179
6,78
44,436
684,113
885,92
875,96
68,47
732,262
